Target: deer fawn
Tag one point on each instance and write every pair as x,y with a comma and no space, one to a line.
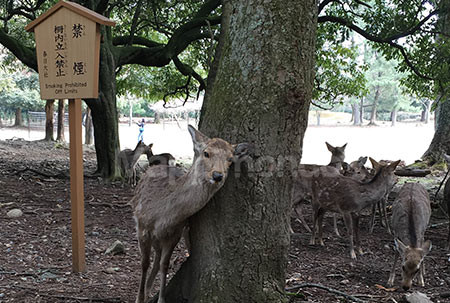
334,192
410,215
165,199
302,185
447,199
164,159
128,159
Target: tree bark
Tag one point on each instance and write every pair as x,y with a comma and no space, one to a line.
356,114
19,118
104,114
394,117
49,127
60,136
261,94
88,128
441,139
373,114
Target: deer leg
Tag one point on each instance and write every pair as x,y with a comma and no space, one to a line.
383,209
380,212
420,279
299,211
336,230
392,274
355,219
372,219
166,252
313,233
145,246
152,276
320,225
349,224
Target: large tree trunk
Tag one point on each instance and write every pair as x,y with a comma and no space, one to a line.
19,119
49,112
104,114
261,94
60,136
441,140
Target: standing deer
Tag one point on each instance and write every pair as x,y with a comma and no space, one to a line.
334,192
128,159
165,199
447,199
164,159
302,184
410,216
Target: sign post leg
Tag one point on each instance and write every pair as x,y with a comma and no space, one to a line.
76,186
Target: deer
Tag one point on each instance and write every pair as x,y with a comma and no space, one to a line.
302,184
447,200
164,158
128,159
410,217
165,199
331,191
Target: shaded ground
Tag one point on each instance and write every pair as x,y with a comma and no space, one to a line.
35,249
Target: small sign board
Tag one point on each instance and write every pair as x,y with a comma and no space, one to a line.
68,51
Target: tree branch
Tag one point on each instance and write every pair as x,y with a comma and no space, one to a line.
186,70
373,38
24,53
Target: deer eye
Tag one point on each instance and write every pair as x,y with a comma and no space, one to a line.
206,154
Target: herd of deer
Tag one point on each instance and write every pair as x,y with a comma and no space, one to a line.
166,197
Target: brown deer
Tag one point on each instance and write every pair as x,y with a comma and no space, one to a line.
164,159
447,199
165,199
302,184
128,159
331,191
410,216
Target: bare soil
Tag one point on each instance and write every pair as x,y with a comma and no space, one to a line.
35,249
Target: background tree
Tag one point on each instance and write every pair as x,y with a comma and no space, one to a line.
150,34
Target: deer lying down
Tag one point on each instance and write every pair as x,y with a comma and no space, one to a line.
128,159
165,199
334,192
410,216
447,199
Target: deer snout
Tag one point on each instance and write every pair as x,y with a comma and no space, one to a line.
217,176
406,287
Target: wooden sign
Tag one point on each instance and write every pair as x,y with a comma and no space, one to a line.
68,54
68,51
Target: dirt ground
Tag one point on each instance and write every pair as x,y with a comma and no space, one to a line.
35,249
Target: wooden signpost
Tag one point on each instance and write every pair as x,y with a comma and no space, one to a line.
68,54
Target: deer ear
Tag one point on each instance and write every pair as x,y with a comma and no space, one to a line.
241,150
426,246
375,164
150,145
345,166
362,160
329,146
399,245
343,146
391,167
198,139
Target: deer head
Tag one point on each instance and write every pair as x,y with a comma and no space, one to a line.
215,156
337,154
412,258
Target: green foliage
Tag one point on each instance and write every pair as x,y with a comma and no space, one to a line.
20,90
